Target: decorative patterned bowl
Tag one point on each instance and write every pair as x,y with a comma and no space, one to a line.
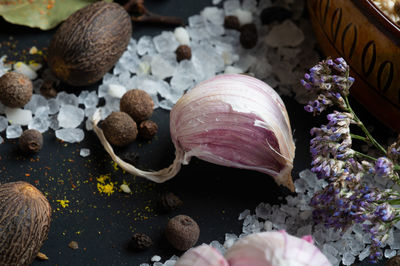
369,41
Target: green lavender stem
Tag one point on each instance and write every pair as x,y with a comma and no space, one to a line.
360,154
363,128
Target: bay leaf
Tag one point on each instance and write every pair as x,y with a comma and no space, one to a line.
43,14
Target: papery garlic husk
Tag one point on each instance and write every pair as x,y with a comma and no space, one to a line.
231,120
203,255
275,249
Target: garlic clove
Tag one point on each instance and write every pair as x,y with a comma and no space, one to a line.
274,249
203,255
237,121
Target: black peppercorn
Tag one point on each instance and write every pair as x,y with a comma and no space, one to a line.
31,140
15,89
119,129
147,129
138,104
274,13
248,36
183,52
182,232
232,22
140,241
169,202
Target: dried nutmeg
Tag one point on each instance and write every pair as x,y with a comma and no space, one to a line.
24,222
182,232
138,104
232,22
183,52
119,129
248,36
15,89
394,261
147,129
31,140
140,241
169,202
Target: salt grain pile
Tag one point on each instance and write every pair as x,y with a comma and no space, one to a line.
283,53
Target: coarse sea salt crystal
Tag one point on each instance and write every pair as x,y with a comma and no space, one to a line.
233,70
155,258
231,6
84,152
64,98
285,34
18,116
70,116
213,15
13,131
22,68
182,36
125,188
41,124
145,46
165,42
3,123
70,135
244,16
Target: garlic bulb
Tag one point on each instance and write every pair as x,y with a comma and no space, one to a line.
275,249
203,255
232,120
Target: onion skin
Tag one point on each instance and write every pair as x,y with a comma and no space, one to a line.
236,121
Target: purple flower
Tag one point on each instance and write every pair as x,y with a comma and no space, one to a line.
383,167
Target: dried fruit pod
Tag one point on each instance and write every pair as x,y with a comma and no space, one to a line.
89,43
24,222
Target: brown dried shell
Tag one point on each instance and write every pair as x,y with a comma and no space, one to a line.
89,43
24,223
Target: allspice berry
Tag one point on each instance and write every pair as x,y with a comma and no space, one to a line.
147,129
183,52
15,89
169,202
140,241
248,36
30,141
232,22
138,104
119,129
182,232
394,261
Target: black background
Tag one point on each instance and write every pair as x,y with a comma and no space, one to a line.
103,225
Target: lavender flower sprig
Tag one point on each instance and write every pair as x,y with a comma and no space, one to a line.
348,199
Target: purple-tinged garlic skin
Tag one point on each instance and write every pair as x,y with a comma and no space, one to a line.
275,249
203,255
237,121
